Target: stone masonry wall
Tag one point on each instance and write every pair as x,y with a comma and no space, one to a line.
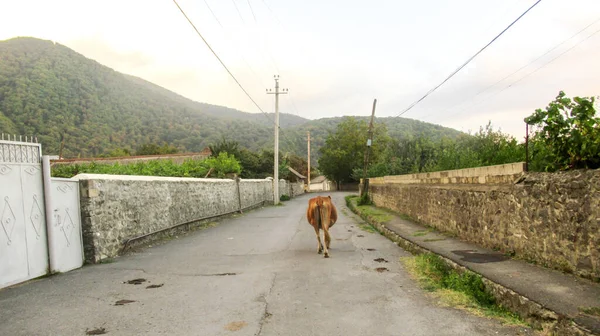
552,219
117,208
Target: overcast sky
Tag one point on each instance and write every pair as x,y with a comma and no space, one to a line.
335,56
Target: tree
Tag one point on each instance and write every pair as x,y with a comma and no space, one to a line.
344,149
224,145
154,149
223,164
567,134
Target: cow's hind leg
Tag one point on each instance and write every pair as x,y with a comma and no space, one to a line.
325,238
319,241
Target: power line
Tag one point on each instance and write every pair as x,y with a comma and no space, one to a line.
252,11
521,68
245,61
230,73
238,10
223,64
468,61
531,73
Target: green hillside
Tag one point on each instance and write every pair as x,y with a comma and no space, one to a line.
49,90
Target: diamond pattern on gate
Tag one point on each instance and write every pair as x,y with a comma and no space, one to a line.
67,226
4,169
7,220
36,216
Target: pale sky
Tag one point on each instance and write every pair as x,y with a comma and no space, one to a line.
335,56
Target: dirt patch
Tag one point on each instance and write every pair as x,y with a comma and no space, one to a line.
381,269
221,274
360,236
380,260
123,302
97,331
155,286
235,326
138,281
371,249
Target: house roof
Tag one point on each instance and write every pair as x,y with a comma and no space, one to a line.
318,179
296,173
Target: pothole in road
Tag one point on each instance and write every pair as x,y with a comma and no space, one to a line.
380,260
360,236
381,269
155,286
371,249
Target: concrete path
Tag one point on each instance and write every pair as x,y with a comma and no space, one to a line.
565,294
257,274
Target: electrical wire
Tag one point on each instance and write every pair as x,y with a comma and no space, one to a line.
529,74
521,68
468,61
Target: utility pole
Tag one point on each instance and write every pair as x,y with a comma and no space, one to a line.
276,156
308,175
367,152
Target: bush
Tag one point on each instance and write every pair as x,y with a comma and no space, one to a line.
284,198
221,165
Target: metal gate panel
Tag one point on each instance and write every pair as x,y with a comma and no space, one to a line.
13,242
66,242
35,221
23,239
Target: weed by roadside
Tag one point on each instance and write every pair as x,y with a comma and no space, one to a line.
590,310
463,290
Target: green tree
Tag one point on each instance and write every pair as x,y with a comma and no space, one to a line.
223,164
567,134
344,149
154,149
224,145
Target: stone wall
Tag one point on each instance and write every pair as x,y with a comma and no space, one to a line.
552,219
115,209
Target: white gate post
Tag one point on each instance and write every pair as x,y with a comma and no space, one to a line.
48,204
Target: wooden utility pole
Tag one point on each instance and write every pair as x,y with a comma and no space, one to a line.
526,147
367,152
276,156
308,175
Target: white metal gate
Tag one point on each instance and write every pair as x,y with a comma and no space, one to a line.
23,244
64,231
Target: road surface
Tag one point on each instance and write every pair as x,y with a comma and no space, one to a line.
256,274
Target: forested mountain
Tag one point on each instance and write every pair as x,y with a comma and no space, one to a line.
50,91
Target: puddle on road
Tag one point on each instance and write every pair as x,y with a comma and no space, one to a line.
480,258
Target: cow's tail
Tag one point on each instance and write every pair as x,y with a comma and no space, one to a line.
318,216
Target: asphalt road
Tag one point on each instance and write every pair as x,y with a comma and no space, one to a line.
256,274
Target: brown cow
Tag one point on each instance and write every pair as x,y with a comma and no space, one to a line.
322,214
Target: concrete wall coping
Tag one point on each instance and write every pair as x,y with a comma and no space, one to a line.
155,178
482,175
